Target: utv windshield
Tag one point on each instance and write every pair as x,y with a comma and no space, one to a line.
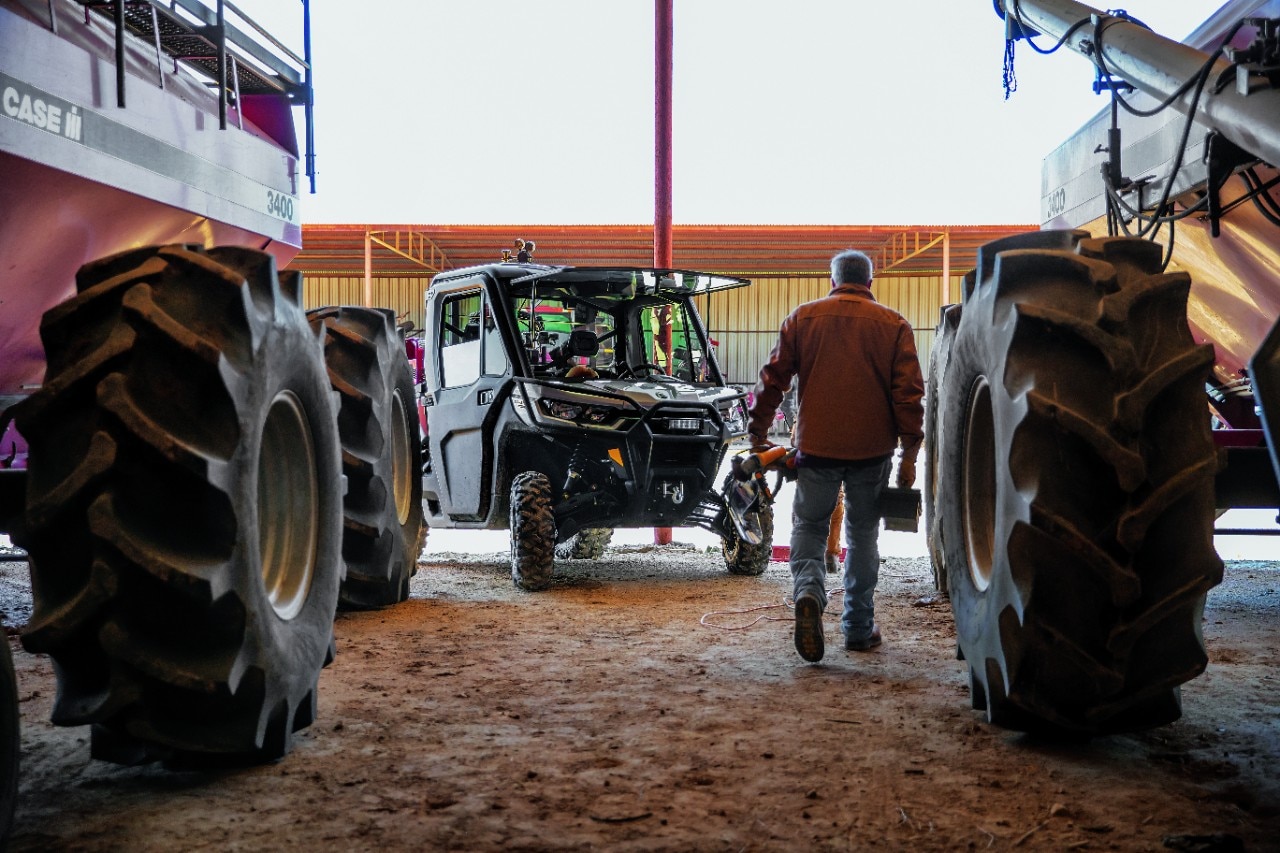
618,323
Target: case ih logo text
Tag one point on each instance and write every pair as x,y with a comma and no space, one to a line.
43,112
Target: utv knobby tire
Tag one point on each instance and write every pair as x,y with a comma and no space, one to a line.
1077,485
10,741
533,532
938,356
588,544
184,506
383,530
743,558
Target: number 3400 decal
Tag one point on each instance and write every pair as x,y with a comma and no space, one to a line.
279,204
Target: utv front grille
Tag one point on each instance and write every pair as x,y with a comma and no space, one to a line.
677,456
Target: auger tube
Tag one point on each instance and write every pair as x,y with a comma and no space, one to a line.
1159,66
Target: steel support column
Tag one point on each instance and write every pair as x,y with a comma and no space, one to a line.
946,267
662,73
662,56
368,269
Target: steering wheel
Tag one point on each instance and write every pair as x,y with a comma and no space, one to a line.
633,370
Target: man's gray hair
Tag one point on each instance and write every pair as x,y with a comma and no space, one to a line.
851,267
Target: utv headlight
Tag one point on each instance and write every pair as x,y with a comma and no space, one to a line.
582,414
563,410
735,418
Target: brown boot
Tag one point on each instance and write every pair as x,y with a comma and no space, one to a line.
866,643
809,642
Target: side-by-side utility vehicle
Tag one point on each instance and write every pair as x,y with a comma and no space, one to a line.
563,402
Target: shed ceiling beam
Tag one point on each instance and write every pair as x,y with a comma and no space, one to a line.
412,246
905,246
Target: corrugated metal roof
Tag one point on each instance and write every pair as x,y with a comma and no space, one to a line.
747,249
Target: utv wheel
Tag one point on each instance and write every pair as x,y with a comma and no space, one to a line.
10,742
938,356
586,544
533,531
742,558
383,527
1077,477
184,506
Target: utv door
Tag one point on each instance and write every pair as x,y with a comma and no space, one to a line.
470,367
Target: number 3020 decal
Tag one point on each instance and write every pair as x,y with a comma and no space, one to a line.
279,204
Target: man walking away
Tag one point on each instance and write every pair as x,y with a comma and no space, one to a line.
859,395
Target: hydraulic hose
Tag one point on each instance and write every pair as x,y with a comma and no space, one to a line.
1161,67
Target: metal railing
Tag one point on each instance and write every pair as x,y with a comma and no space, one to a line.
201,39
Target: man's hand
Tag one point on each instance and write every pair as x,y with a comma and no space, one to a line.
906,473
759,443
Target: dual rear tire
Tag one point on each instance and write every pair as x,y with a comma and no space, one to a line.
185,518
384,530
946,332
184,506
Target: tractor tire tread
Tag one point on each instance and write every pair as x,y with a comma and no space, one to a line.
367,368
152,612
1091,620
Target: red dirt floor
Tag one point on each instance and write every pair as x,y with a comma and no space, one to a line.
604,715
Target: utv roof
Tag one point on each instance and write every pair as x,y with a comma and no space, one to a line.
642,281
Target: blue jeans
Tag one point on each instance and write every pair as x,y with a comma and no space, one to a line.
816,492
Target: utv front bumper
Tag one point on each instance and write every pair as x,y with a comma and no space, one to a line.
615,463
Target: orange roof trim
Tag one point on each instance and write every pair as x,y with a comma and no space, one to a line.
407,249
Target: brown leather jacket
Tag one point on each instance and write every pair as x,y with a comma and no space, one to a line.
860,387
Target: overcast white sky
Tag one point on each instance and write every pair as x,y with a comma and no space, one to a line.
803,112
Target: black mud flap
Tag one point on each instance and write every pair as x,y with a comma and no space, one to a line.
13,496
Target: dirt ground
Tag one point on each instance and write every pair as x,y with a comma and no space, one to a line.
604,714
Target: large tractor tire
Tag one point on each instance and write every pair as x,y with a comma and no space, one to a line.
533,532
1076,485
938,356
184,507
10,741
743,558
383,528
586,544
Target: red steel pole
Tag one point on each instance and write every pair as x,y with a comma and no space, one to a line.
662,73
662,56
